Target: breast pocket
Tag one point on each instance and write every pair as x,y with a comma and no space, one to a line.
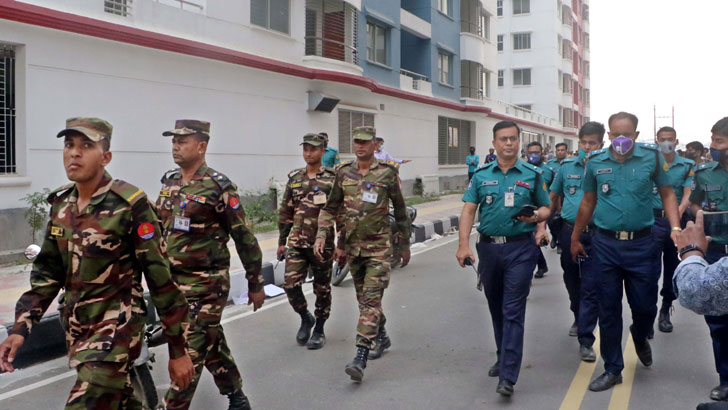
715,195
605,184
101,252
572,186
489,195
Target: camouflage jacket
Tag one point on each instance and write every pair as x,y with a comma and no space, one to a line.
98,255
199,255
362,205
299,210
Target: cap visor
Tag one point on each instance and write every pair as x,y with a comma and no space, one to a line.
90,134
179,131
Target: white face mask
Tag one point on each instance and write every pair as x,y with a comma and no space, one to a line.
667,147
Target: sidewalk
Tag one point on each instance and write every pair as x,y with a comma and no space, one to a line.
14,280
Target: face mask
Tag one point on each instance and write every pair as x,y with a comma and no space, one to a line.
667,147
720,155
534,159
691,155
582,154
622,145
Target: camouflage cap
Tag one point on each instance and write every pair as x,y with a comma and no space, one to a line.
95,129
189,127
365,133
316,140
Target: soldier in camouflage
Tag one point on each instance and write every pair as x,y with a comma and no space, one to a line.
102,233
306,193
360,200
200,210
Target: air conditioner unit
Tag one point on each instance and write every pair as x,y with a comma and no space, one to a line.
321,102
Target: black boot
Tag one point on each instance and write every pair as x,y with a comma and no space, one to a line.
355,369
304,332
238,401
381,343
663,321
318,339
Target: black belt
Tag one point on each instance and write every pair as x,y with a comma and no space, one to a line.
718,248
626,235
504,239
658,213
588,228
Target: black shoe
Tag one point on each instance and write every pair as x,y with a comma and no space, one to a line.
541,272
663,321
317,341
505,388
587,354
643,350
238,401
719,393
605,382
651,334
381,343
494,370
304,332
574,330
355,369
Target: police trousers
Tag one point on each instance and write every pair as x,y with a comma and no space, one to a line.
666,260
506,271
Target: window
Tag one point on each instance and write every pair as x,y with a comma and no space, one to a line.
271,14
522,76
444,67
485,26
118,7
521,6
566,83
470,17
472,80
485,83
500,42
7,110
560,75
566,49
499,8
445,6
453,140
585,12
521,41
331,27
376,43
348,120
501,79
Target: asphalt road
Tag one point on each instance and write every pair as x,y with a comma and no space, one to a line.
442,349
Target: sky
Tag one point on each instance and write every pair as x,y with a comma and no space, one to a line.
660,52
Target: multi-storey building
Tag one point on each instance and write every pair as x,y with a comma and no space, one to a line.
543,58
263,72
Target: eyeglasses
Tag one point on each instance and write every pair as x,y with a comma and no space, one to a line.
507,139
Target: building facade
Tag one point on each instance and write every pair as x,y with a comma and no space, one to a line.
263,72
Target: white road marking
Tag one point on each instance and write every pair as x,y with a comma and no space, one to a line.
21,390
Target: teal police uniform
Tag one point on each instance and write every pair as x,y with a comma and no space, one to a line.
330,158
580,278
472,162
507,251
554,165
680,176
710,191
623,243
548,174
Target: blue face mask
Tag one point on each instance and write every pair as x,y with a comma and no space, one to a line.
582,154
622,145
720,155
534,159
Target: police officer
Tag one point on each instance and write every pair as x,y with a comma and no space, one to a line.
360,199
617,184
507,248
680,174
580,277
200,210
306,193
102,233
710,193
560,155
555,222
331,156
534,156
472,161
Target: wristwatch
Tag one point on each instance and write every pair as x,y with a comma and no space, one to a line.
691,247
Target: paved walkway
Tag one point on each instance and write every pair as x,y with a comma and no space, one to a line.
14,279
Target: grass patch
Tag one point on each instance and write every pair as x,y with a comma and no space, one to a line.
264,227
416,200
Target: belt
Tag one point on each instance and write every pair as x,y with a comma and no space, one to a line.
658,213
718,248
626,235
588,228
504,239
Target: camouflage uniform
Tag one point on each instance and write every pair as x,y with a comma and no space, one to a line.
200,262
97,255
298,222
367,234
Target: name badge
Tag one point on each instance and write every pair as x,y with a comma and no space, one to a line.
297,185
319,199
370,197
349,182
182,223
604,171
490,183
712,188
165,193
573,176
56,231
509,199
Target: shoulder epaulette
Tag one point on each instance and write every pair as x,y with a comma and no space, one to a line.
294,173
567,160
533,168
391,164
56,192
168,174
688,161
485,166
330,170
220,179
648,145
706,165
597,152
127,191
343,164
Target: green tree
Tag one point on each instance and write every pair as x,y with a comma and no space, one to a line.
37,210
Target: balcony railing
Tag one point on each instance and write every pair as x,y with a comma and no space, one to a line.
416,78
183,4
336,50
520,112
118,7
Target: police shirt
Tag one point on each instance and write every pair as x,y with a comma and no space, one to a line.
567,183
554,165
711,191
472,162
680,174
492,190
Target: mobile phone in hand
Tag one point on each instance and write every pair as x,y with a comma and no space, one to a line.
527,210
716,223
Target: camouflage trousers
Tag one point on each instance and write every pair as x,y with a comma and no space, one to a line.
371,277
298,261
102,386
207,348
